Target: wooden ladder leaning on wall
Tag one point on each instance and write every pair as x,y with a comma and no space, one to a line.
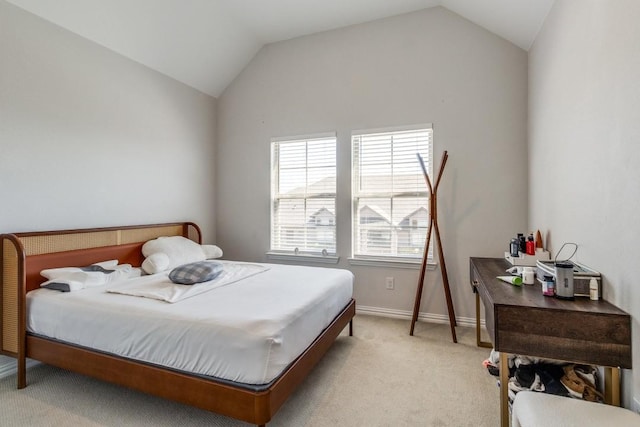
433,224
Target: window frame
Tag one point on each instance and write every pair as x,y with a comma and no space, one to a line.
281,254
388,260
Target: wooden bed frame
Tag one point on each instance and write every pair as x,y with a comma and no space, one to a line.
24,255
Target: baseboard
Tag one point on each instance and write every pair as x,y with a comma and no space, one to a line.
422,317
10,366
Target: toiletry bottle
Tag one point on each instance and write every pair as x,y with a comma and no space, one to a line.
548,286
523,243
539,244
528,276
531,245
514,247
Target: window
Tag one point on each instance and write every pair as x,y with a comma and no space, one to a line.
390,195
303,195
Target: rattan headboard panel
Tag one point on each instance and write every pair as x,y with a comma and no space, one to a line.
9,296
48,243
135,235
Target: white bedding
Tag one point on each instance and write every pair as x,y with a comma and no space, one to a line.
246,332
159,286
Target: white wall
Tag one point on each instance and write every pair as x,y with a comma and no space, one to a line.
584,146
89,138
430,66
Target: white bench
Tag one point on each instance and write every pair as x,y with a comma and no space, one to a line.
532,409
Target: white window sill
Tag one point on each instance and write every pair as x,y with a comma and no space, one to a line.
393,263
288,256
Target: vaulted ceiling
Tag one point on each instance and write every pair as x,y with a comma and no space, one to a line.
206,43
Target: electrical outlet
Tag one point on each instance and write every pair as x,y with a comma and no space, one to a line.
636,405
390,283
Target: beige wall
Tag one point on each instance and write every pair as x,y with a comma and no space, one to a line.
430,66
89,138
584,146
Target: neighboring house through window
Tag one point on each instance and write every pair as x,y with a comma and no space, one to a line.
390,195
303,190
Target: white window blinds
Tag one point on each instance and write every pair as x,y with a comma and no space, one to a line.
390,195
303,202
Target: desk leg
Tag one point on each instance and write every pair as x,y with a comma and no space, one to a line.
504,389
612,385
479,342
478,319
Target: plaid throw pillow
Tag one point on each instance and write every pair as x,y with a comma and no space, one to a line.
195,272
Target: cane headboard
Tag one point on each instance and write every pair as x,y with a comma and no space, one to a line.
24,255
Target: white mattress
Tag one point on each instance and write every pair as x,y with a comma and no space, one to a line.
246,332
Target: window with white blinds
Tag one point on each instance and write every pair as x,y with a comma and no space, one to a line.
390,195
303,189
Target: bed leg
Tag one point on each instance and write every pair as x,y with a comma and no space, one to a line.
351,328
22,373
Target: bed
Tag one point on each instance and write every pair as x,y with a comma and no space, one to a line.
29,324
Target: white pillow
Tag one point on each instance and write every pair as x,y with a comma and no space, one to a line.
180,250
211,251
76,281
90,277
63,285
156,263
109,264
52,273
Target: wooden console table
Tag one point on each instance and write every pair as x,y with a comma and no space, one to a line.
520,320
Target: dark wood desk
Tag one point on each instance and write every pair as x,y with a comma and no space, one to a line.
520,320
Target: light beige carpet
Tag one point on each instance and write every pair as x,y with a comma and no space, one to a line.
379,377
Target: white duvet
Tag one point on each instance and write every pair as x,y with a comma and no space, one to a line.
248,331
159,286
